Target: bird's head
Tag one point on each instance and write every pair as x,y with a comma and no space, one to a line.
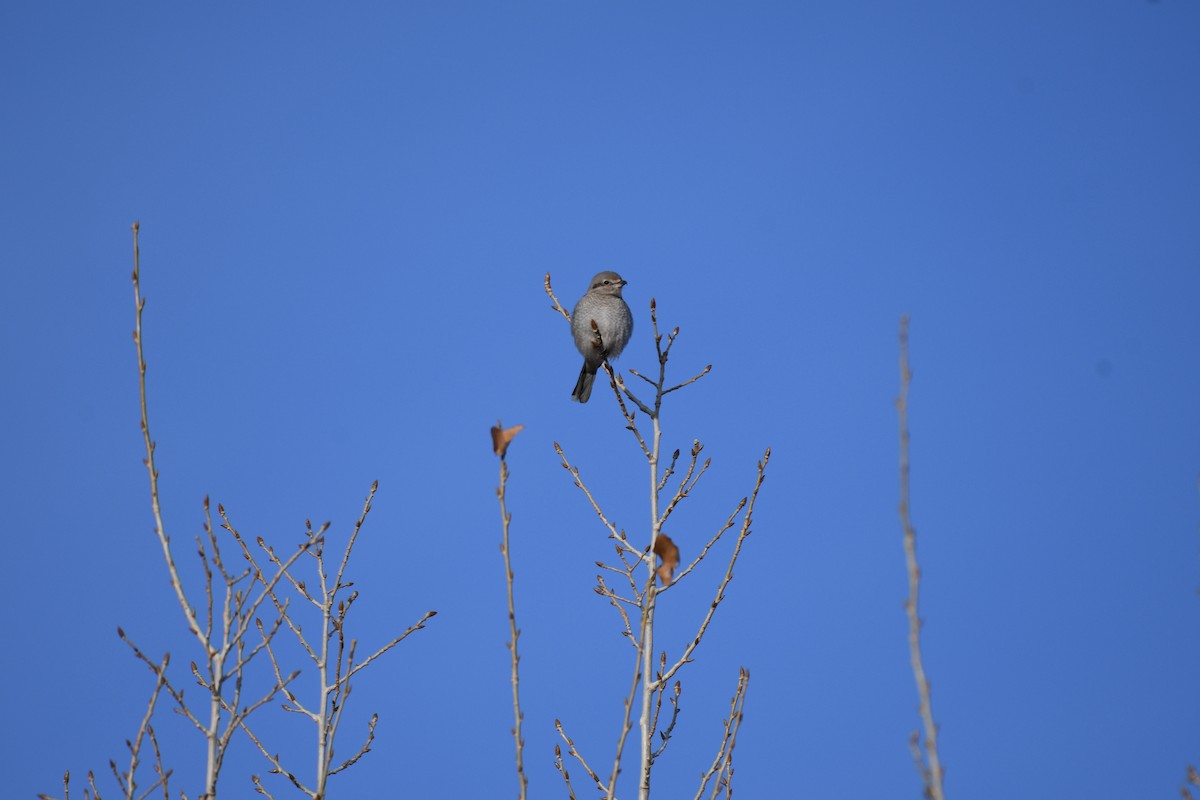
607,283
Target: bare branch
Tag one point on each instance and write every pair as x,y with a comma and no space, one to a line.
602,589
626,722
265,640
612,529
128,781
222,635
708,546
237,716
258,787
277,767
575,753
315,539
164,775
362,751
932,769
160,530
419,625
722,766
334,658
703,372
649,412
674,699
670,470
637,374
558,764
688,483
557,305
337,584
745,531
66,788
296,706
514,632
181,707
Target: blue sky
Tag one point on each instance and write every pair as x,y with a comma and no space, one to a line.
346,217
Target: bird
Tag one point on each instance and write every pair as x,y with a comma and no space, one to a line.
603,305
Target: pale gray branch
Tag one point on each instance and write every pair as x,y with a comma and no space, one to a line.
931,768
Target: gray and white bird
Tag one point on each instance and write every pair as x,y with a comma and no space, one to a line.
604,305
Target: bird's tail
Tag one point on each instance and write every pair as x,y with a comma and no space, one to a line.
583,386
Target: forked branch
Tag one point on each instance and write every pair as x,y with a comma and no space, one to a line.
332,654
722,765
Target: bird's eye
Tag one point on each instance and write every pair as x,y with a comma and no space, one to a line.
606,283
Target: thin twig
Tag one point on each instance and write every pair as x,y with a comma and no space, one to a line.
626,725
650,595
557,305
277,766
333,655
66,788
712,609
160,531
258,787
722,765
670,470
688,482
558,764
674,700
630,424
417,626
222,634
932,769
645,409
180,707
703,372
514,631
614,534
130,783
578,757
362,751
739,713
729,523
315,539
337,584
164,775
675,709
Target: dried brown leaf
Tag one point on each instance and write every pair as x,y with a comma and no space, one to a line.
501,436
668,551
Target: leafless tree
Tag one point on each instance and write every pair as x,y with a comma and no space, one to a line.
230,634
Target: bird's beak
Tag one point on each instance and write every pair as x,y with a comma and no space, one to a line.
624,282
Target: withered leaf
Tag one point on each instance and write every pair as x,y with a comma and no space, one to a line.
668,551
501,436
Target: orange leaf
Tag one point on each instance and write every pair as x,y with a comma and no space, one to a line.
502,436
668,551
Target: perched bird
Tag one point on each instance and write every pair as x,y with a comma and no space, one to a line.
603,305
